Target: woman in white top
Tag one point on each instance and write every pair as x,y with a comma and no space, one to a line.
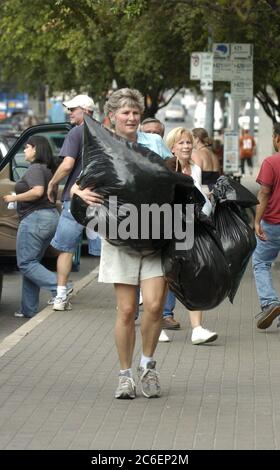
180,142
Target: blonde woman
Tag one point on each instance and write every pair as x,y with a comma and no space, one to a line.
180,142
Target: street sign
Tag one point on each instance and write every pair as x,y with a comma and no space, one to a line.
241,89
231,152
242,69
195,73
241,51
207,66
222,69
206,79
221,50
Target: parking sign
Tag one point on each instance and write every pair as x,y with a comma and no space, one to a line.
195,66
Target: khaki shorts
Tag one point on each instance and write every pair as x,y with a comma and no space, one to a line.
120,266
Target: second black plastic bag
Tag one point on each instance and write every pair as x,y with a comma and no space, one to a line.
198,275
238,241
237,237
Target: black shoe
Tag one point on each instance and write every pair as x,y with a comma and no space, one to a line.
267,315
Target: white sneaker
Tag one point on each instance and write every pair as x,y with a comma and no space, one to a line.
202,335
19,314
69,292
126,388
163,338
62,304
140,298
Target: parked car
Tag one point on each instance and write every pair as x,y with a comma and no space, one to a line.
12,168
175,112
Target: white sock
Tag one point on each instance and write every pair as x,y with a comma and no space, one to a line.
126,372
61,292
144,361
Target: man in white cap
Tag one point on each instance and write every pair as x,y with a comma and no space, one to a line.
68,233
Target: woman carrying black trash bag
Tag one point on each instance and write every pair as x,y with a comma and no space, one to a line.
127,270
180,142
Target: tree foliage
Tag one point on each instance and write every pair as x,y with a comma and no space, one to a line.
145,44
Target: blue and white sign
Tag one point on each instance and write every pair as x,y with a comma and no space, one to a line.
221,49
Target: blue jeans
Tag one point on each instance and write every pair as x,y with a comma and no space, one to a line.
94,245
169,305
33,238
69,232
264,255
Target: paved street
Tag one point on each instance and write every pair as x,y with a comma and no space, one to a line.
11,295
59,372
57,381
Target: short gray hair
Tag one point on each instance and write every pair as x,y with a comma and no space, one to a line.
124,97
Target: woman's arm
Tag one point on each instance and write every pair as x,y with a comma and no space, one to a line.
32,195
89,196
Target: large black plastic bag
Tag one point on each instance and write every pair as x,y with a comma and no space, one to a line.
198,276
132,173
237,237
238,241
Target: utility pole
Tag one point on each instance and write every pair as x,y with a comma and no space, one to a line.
209,94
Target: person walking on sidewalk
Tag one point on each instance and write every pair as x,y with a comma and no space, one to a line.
38,221
69,232
247,147
126,270
267,229
180,142
155,126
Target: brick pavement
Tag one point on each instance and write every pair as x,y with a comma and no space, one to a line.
57,382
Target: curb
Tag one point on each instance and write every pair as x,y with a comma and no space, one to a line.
14,338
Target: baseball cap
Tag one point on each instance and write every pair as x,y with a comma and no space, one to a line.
82,101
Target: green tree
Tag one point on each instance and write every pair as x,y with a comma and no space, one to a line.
145,44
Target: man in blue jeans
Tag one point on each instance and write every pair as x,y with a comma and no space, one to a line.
267,228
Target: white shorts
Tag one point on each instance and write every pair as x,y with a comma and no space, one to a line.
121,266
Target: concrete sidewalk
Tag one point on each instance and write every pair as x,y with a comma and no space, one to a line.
57,381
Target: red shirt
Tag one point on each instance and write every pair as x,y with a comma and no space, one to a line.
269,175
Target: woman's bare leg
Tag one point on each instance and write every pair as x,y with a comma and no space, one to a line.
125,323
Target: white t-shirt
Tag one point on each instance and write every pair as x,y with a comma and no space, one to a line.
196,175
